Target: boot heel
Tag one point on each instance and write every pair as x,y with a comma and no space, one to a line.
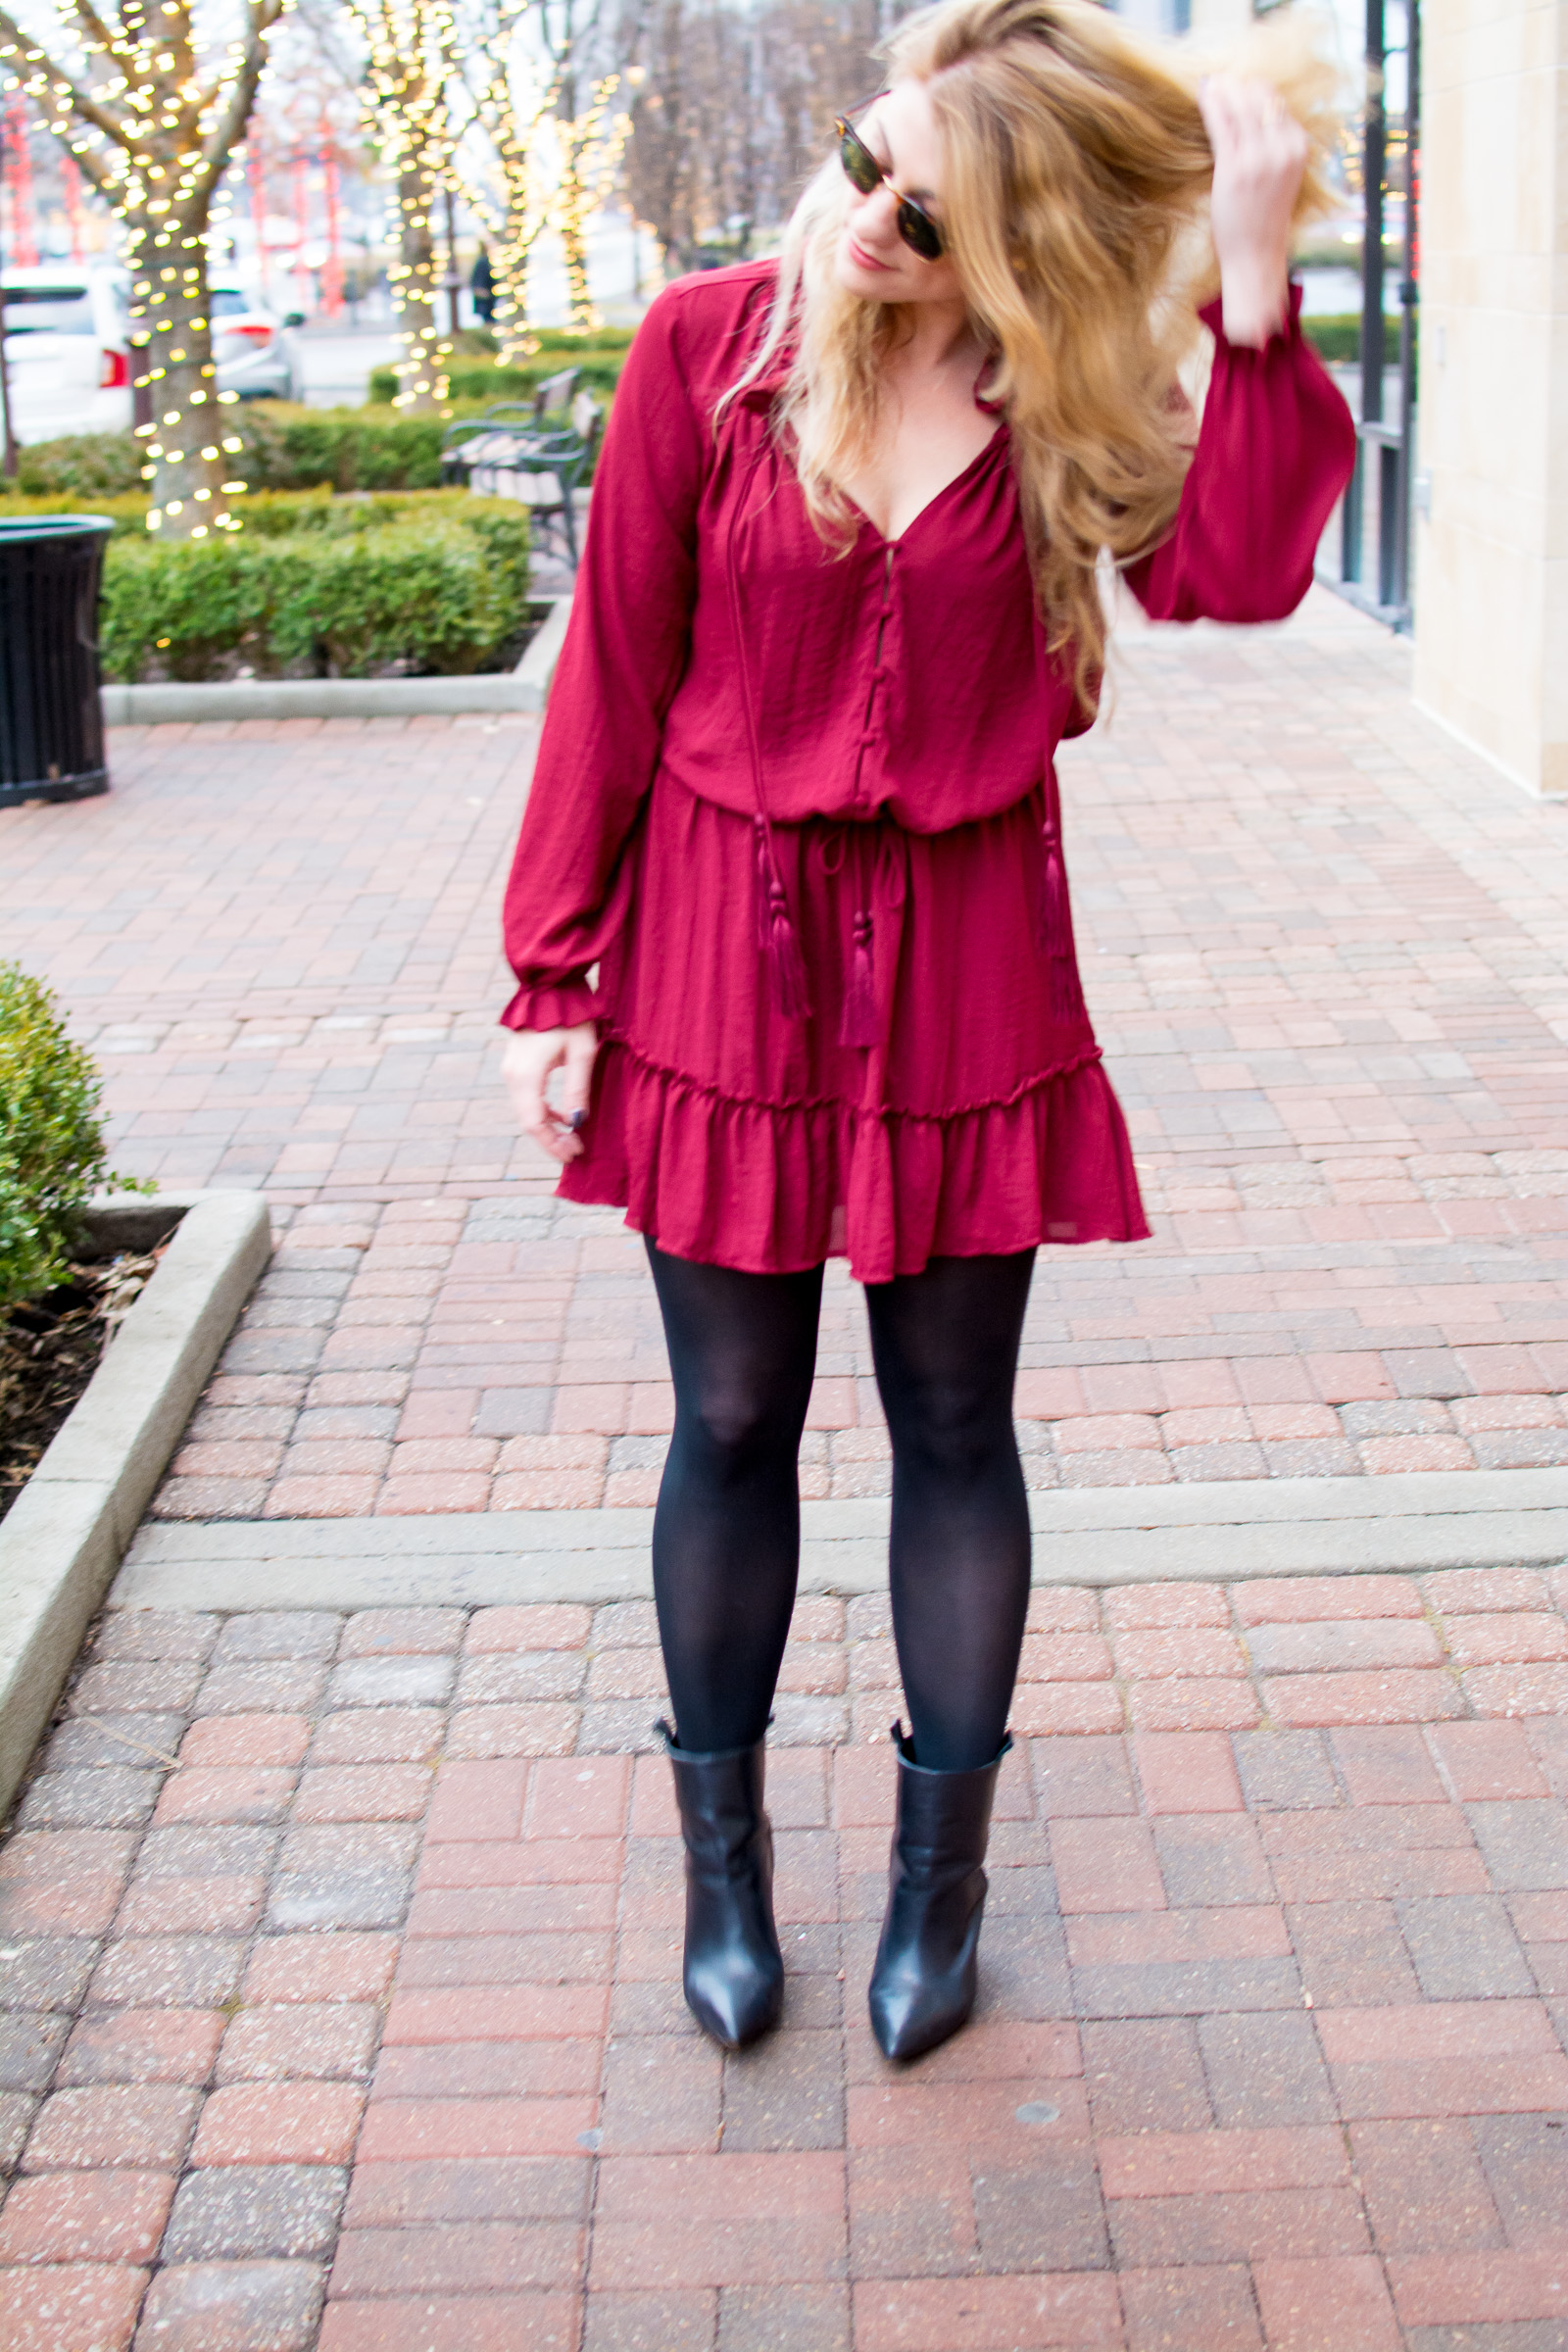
733,1970
923,1985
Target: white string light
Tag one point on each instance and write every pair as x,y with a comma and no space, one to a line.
410,58
153,124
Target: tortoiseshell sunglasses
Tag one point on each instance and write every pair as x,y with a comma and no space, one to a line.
862,170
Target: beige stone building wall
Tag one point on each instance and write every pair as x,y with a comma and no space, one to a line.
1218,18
1492,557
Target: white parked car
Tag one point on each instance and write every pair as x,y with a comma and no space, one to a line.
66,356
69,357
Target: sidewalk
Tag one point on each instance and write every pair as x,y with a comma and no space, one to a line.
360,2029
1326,955
372,1997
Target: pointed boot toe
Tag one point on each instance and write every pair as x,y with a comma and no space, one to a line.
923,1985
918,2000
733,1970
735,1993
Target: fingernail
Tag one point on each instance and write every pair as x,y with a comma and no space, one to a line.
580,1118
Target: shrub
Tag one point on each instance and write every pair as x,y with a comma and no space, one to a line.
349,449
283,448
277,513
482,383
288,447
127,512
52,1149
284,513
87,466
391,591
1338,339
595,338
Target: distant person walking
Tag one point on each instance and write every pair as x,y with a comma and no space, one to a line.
482,287
795,800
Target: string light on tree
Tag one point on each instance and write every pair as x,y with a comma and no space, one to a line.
538,163
589,147
152,117
510,97
411,60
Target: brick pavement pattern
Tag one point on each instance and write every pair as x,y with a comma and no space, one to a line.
360,2028
1324,948
338,1955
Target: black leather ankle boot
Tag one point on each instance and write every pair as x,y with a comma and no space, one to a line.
923,1984
734,1971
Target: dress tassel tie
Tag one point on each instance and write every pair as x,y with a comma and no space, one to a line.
778,940
1065,991
776,936
860,1025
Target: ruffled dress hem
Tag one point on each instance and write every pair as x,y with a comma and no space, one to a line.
771,1189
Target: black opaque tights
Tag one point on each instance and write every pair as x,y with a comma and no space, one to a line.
726,1534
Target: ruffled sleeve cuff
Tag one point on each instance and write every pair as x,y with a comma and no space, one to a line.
1287,336
1274,450
562,1005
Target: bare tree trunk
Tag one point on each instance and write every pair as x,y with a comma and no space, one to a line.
418,368
405,92
186,466
571,207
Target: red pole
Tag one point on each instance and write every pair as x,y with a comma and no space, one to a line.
255,175
26,253
332,278
302,221
71,176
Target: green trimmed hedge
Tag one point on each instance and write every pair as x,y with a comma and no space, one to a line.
282,448
593,338
127,512
1338,339
277,512
86,466
325,588
289,447
485,381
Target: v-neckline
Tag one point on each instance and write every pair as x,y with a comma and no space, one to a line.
918,516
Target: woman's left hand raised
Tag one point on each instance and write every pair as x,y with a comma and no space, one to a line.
1260,153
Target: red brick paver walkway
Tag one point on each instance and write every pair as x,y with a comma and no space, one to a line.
1324,949
373,2000
338,1955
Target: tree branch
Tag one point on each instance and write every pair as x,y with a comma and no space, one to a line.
82,100
91,168
229,128
88,16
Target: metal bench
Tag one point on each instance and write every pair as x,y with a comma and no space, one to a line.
508,454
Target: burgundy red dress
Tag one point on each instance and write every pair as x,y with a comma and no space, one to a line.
798,806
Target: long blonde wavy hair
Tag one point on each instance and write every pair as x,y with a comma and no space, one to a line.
1075,213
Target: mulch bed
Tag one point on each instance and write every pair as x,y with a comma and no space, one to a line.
50,1347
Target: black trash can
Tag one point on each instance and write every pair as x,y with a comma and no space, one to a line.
51,720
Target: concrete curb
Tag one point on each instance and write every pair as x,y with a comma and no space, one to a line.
1225,1532
63,1539
525,687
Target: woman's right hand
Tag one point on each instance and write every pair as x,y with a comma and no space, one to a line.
529,1058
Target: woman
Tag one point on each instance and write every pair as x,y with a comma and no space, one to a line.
794,800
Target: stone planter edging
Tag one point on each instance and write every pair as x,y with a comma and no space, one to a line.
522,689
64,1536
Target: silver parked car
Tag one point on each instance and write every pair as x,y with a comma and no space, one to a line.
253,348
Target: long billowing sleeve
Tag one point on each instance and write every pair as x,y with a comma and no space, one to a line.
623,656
1274,452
